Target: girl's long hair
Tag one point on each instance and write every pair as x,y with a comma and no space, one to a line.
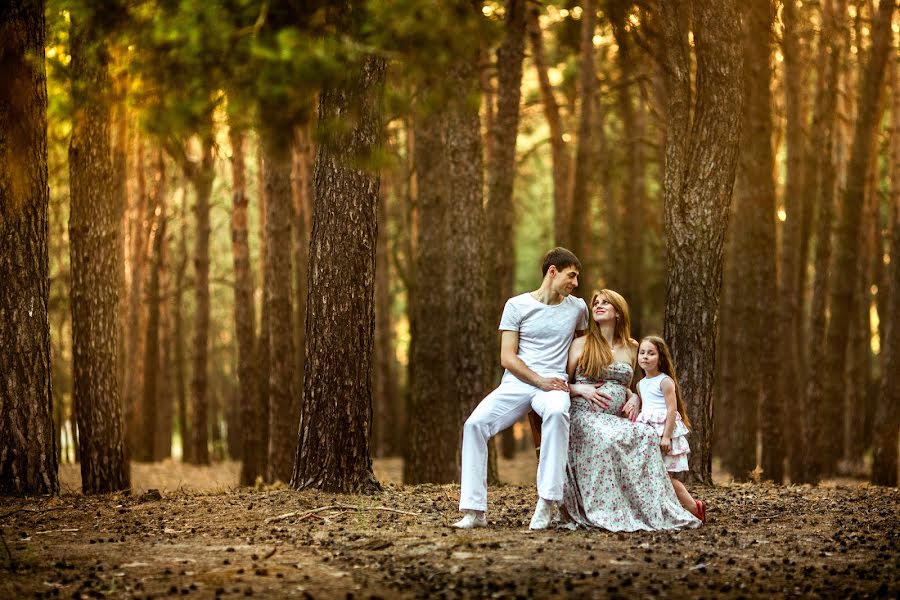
667,366
598,354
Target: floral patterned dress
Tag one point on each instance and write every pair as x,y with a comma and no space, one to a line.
615,478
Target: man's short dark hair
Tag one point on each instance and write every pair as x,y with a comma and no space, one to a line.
560,258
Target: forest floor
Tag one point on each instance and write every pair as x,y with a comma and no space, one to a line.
202,537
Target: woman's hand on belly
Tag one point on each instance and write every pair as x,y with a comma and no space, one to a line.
591,392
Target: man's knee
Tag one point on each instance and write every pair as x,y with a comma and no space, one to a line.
557,408
476,425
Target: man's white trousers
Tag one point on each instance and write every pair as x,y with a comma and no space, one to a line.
499,410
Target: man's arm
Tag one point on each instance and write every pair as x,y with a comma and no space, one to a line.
509,359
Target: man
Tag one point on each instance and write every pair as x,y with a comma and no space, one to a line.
536,331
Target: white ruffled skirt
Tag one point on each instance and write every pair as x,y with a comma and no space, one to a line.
676,459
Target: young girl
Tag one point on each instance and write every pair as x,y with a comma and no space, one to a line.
663,409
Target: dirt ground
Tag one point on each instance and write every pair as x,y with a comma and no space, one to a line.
203,537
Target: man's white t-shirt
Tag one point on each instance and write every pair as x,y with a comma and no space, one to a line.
545,332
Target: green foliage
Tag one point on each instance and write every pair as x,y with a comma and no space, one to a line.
422,41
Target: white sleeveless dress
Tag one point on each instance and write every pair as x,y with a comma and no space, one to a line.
653,413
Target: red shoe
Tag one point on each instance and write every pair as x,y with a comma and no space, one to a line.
701,510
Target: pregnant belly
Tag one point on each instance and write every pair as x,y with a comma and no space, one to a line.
617,397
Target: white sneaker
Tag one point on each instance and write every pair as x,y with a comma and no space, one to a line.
471,519
543,514
557,517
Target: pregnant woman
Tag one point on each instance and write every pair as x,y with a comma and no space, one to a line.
615,478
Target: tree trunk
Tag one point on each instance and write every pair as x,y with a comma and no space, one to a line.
263,345
120,193
149,415
283,415
214,408
138,255
701,157
253,450
500,267
235,422
841,295
726,355
450,304
859,355
302,194
821,146
807,177
631,237
887,415
613,257
580,228
410,245
201,176
792,262
184,428
562,211
28,464
60,337
333,448
754,235
93,234
162,446
386,431
486,66
878,235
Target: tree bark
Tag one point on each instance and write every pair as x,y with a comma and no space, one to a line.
263,346
150,416
878,235
28,463
333,447
859,353
580,228
138,256
93,234
385,430
701,157
821,147
726,356
410,244
201,175
283,416
771,407
162,446
450,303
887,414
184,428
754,406
843,292
631,236
562,211
500,211
788,379
202,181
253,450
488,105
302,194
120,181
